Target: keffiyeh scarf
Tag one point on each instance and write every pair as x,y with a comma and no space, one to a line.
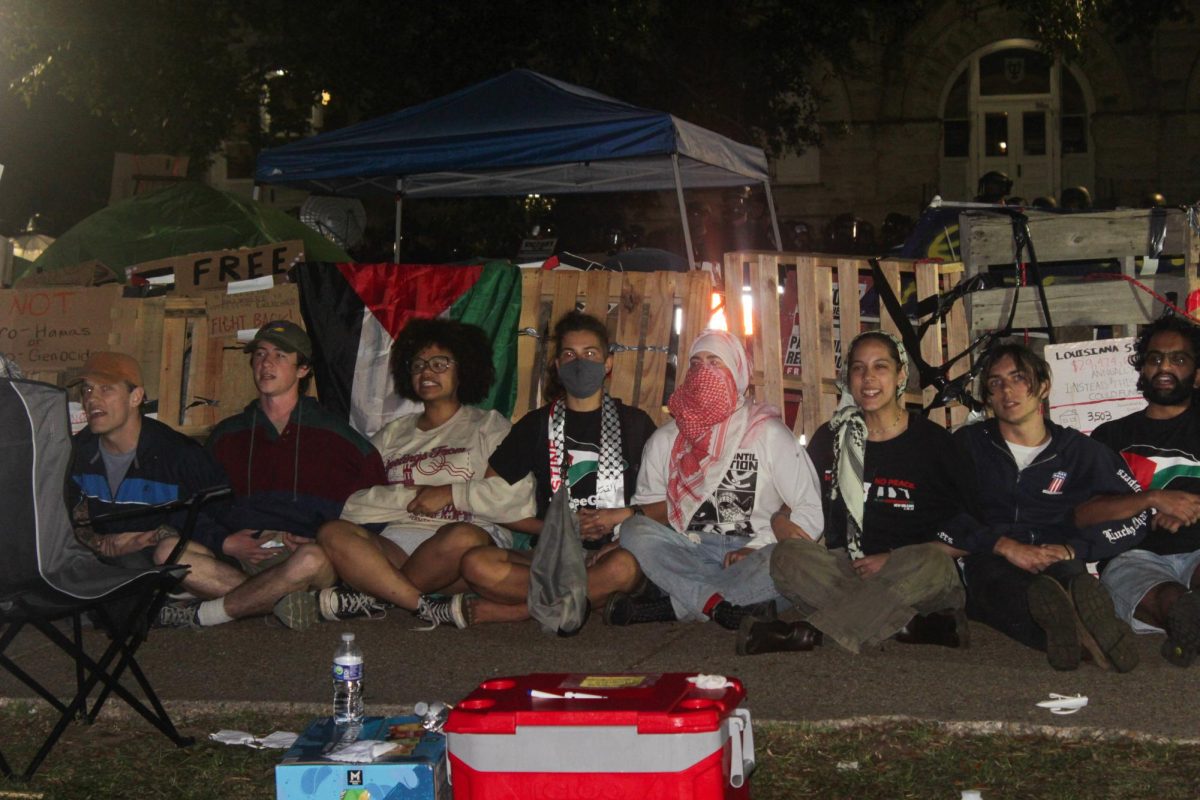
610,461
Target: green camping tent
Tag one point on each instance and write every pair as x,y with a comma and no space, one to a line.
185,218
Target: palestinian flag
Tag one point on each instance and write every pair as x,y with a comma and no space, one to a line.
1156,469
355,311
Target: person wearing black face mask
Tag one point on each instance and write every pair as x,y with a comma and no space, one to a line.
586,438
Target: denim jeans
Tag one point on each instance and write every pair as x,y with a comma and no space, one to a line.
691,567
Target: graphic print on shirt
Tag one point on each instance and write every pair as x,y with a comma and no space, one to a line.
583,470
728,510
448,464
1158,468
894,492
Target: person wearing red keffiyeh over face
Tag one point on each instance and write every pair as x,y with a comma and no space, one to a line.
711,480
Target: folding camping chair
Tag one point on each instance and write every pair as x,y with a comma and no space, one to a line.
48,578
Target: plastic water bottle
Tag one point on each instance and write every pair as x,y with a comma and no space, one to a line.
347,682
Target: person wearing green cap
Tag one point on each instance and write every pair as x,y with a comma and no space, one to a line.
291,464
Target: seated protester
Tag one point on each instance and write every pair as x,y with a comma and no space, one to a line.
291,465
1153,586
123,460
710,481
428,457
893,483
584,437
1026,574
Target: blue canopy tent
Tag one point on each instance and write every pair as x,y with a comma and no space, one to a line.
519,133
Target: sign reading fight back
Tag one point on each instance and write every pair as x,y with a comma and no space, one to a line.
197,272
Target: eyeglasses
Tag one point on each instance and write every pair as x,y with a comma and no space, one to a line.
437,364
1176,358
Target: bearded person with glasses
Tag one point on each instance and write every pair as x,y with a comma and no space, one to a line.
398,543
1154,585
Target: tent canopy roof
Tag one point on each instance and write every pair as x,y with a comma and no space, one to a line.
185,218
518,133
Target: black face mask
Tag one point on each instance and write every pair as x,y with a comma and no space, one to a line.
582,378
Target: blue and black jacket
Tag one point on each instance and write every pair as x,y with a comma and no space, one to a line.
168,466
1037,504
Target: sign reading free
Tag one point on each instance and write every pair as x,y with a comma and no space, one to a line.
197,272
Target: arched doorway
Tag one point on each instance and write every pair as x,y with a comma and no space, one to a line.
1010,108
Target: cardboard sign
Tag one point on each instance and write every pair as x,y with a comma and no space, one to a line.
1092,383
230,313
197,272
55,329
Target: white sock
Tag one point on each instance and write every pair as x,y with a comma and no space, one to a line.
212,612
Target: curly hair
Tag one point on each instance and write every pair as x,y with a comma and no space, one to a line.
1169,323
1028,363
570,322
469,345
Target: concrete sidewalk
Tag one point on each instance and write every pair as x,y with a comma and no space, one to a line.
994,680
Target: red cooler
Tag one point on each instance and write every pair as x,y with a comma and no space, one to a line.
612,736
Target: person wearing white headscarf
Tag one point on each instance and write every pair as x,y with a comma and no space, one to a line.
895,480
711,479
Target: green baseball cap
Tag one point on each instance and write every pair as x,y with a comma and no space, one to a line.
285,335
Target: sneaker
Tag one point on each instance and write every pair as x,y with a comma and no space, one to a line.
625,609
297,610
443,611
1183,630
1052,609
1108,638
342,602
179,615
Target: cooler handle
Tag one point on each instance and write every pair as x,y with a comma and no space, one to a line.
741,746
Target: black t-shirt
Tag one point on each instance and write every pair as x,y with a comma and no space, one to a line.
526,449
1161,454
918,481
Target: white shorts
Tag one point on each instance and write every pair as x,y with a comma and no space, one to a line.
409,537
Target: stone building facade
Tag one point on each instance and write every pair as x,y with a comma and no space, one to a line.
967,92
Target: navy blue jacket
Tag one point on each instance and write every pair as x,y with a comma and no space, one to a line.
1036,506
168,466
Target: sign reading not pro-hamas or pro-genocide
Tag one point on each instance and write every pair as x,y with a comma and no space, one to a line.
1092,383
215,270
54,329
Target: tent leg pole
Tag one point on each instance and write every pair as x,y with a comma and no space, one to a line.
399,218
257,193
774,219
687,230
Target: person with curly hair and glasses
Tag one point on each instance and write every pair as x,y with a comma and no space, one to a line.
435,462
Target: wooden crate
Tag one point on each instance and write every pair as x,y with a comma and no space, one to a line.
812,283
639,309
1125,236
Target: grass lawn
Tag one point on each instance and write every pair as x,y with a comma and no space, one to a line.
123,757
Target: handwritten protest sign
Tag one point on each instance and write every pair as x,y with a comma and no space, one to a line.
197,272
230,313
1092,383
54,329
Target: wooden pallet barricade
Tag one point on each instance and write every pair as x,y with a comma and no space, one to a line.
813,284
639,309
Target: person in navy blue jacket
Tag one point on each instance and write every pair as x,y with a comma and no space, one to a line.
1025,569
123,460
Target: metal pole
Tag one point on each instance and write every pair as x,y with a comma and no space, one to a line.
774,219
399,218
687,230
257,192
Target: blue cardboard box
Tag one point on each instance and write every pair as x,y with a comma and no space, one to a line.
415,770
